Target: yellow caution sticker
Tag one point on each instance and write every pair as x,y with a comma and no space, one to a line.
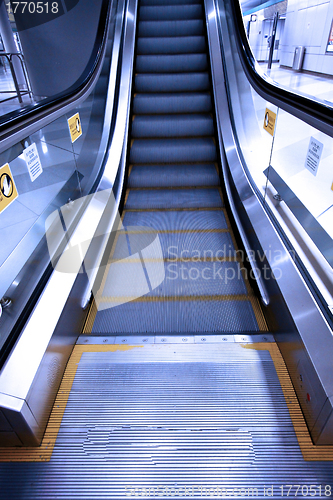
269,121
332,186
8,191
74,125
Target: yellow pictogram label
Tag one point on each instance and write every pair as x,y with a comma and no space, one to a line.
8,191
74,125
269,121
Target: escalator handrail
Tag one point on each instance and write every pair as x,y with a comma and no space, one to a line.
21,123
314,112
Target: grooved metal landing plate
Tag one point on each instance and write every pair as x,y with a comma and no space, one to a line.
161,420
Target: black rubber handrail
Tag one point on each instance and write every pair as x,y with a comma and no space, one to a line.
316,113
31,113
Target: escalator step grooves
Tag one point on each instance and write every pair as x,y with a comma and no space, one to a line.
170,12
189,102
193,27
173,175
183,82
174,214
176,63
172,126
171,45
173,150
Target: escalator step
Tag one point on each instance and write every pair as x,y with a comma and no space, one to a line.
182,279
174,316
173,189
171,45
172,103
173,175
193,27
169,2
177,198
179,63
170,12
172,125
190,82
181,220
173,150
189,246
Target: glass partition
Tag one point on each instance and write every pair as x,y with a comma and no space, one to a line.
288,162
51,168
292,42
37,176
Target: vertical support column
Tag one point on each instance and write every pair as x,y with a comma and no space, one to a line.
10,46
273,36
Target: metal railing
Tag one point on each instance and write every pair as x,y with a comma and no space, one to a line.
19,92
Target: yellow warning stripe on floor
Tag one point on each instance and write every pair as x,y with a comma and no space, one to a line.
43,453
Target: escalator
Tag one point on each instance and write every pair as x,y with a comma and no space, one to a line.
174,190
176,386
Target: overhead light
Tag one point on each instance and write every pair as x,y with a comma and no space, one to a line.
253,18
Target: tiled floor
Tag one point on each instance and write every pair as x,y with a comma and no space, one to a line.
319,85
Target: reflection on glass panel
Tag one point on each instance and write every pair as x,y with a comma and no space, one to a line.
38,175
248,110
302,158
289,161
261,147
292,42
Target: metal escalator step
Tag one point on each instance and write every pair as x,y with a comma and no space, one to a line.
173,150
176,63
170,12
193,27
179,198
191,102
171,45
173,126
189,82
168,221
209,316
169,2
194,245
182,279
173,175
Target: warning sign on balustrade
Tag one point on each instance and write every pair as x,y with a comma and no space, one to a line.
8,191
74,125
313,155
269,121
32,160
